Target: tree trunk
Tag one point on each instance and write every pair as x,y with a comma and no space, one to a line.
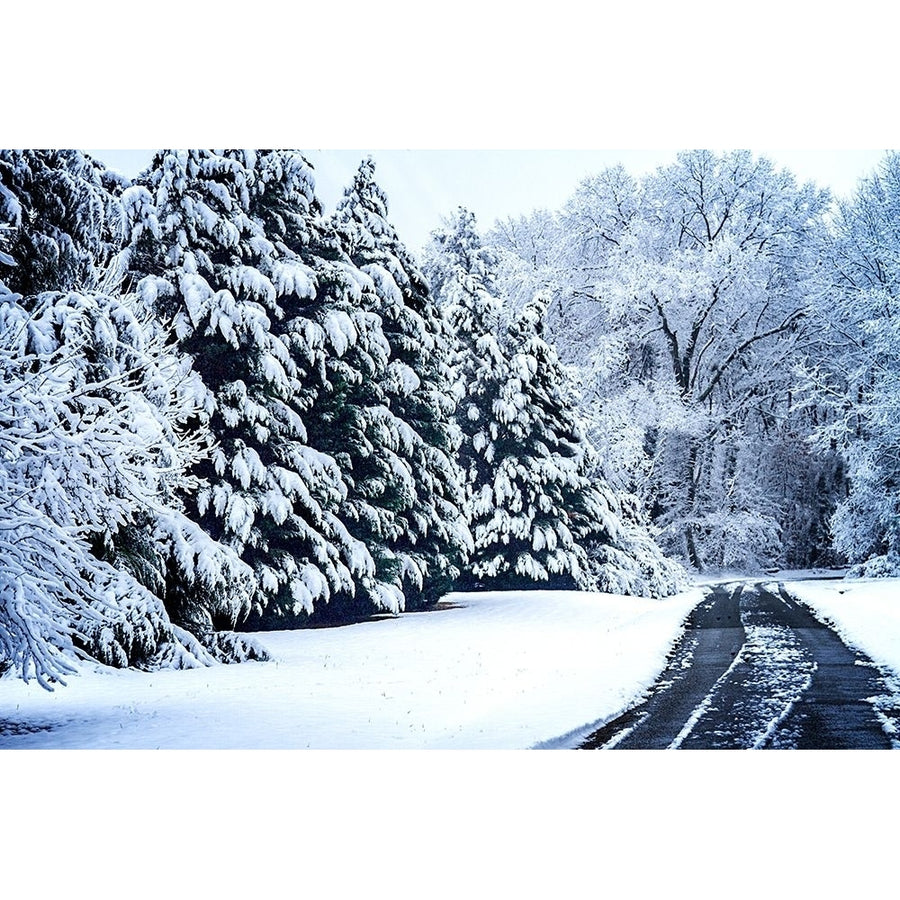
690,507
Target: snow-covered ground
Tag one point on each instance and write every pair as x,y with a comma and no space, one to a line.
499,670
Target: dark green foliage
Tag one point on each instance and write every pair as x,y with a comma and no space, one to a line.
65,222
429,538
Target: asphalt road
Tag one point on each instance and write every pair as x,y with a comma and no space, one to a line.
755,669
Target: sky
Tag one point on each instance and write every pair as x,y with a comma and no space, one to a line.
422,186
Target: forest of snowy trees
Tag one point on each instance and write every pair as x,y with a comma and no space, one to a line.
734,340
223,410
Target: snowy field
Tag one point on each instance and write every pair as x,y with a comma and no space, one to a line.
500,670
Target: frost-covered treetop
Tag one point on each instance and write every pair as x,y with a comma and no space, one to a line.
365,190
369,237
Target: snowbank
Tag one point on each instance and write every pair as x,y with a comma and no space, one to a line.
497,670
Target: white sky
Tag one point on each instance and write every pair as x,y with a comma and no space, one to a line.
424,185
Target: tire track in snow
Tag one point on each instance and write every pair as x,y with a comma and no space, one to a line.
755,697
713,636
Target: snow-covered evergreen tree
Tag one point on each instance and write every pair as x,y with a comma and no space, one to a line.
352,423
460,270
342,354
205,263
421,470
538,507
527,503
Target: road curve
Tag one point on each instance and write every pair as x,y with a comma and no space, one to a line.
755,669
